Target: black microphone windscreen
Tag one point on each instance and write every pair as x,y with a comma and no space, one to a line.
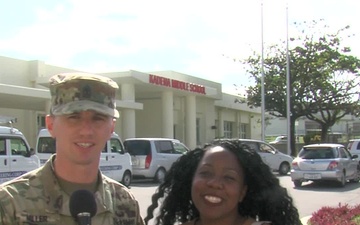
82,201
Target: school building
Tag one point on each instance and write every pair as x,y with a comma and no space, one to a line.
151,104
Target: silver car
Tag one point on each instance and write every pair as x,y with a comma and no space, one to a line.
153,157
318,162
276,160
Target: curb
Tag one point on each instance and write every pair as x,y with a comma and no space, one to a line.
305,219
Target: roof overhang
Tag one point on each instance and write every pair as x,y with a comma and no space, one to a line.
18,97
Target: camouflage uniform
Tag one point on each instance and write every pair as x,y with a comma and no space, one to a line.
36,198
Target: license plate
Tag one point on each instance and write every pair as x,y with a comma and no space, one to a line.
312,176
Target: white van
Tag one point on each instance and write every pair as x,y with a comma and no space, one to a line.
114,161
354,147
153,157
16,156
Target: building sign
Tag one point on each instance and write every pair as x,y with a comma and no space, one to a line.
176,84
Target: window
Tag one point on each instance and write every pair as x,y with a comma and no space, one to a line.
46,145
164,146
41,121
266,148
252,145
242,130
2,146
228,129
344,153
116,146
180,148
317,153
18,147
138,147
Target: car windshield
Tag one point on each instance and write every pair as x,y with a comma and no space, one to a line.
46,145
317,153
180,148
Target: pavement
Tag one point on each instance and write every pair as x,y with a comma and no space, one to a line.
305,219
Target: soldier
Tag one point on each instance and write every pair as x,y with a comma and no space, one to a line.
82,118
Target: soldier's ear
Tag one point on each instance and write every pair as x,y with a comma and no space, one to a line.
49,120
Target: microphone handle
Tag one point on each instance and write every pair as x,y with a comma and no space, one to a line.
84,218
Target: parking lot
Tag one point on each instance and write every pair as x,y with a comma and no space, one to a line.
308,198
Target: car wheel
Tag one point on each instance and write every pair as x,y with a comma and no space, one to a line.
284,168
126,180
297,183
342,181
160,175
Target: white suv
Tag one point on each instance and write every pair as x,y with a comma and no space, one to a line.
354,147
16,156
153,157
114,161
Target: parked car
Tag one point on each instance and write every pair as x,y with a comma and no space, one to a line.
16,156
153,157
319,162
279,140
354,147
276,160
114,161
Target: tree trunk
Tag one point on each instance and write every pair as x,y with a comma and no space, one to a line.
324,132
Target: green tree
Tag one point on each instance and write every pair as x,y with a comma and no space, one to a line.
334,103
315,61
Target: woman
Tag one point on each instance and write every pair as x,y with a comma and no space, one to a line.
224,183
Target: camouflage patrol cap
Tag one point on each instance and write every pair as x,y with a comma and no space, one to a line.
75,92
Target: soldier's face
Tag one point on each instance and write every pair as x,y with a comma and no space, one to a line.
80,136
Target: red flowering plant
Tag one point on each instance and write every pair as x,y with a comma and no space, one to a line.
340,215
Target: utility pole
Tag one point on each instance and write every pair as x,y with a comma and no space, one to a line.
262,77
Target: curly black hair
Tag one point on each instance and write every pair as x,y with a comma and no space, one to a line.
265,199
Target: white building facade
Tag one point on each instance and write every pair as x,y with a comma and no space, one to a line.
151,104
345,129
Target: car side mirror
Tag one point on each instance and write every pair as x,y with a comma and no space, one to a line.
32,151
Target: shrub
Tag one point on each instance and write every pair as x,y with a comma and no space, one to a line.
340,215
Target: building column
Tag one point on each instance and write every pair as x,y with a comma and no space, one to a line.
221,124
190,123
127,116
30,126
237,125
47,107
167,114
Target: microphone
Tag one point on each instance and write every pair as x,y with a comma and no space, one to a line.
82,206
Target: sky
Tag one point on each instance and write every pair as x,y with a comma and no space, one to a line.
195,37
